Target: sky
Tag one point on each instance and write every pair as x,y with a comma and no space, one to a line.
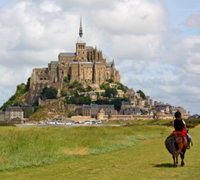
155,43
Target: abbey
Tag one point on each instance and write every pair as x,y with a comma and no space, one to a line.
86,65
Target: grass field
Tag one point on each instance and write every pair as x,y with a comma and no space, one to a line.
133,152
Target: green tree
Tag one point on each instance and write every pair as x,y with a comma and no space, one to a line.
141,94
75,84
110,92
104,86
98,95
81,89
27,84
110,80
69,115
72,100
87,100
76,95
89,88
125,97
49,93
117,103
63,92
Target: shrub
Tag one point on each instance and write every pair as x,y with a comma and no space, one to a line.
49,93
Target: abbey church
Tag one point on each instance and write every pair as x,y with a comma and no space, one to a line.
86,65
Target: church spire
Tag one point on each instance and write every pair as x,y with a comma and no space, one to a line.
80,37
80,28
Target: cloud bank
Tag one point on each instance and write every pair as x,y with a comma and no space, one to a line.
161,60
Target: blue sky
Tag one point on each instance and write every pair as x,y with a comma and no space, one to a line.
155,44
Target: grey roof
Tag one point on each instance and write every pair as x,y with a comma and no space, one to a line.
66,60
14,108
89,47
88,63
93,106
96,106
97,63
108,63
55,62
105,106
85,62
67,54
126,103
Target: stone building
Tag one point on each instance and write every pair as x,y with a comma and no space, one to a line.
2,116
11,113
86,65
92,110
92,95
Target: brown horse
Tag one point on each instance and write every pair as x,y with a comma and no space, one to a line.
176,144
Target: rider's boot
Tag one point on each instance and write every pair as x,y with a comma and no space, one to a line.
189,141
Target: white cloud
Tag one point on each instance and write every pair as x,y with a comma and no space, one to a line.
150,56
193,20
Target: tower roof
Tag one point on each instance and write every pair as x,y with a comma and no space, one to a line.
80,38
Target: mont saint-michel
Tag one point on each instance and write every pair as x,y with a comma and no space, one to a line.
81,86
86,65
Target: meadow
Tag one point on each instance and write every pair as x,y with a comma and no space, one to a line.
126,152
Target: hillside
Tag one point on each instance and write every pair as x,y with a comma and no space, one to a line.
19,98
71,93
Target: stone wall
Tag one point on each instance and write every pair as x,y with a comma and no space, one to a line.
73,107
47,101
79,118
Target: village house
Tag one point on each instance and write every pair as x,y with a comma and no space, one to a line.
93,109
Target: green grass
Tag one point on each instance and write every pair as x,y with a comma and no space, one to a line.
147,159
30,147
191,123
6,124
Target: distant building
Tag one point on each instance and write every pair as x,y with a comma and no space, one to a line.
13,112
2,116
93,95
93,109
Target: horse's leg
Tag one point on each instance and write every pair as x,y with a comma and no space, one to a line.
175,159
182,157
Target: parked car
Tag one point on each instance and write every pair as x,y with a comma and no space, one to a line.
94,122
99,122
51,122
70,122
87,122
59,122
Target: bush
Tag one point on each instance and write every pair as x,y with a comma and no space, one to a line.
110,92
117,103
49,93
141,94
69,115
110,80
104,86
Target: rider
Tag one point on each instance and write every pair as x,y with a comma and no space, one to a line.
180,125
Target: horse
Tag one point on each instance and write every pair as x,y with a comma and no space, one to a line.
176,144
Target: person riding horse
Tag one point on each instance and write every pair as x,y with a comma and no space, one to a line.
180,125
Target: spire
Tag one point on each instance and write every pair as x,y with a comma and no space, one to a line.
80,28
80,38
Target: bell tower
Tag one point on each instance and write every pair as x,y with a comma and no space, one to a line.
81,52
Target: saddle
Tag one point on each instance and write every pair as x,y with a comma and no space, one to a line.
183,133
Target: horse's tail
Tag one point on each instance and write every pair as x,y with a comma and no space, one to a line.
171,145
